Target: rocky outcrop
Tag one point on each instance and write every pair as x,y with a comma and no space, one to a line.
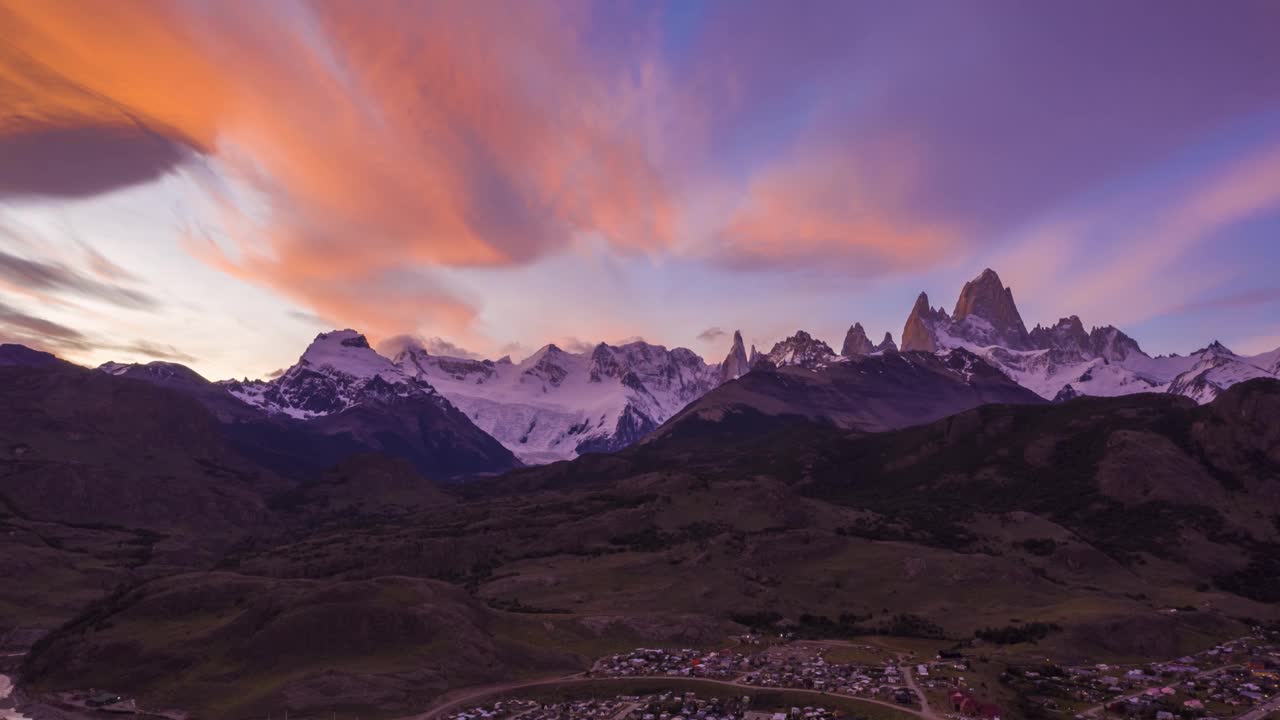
887,345
986,314
856,343
800,350
736,363
1112,344
1067,335
918,333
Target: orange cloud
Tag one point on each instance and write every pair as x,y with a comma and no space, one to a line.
377,138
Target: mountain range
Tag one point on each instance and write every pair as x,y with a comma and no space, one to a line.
1063,361
456,416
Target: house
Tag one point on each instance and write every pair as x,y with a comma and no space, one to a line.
1260,670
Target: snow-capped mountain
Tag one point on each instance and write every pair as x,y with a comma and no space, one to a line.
555,405
1063,361
1217,369
340,399
338,371
800,350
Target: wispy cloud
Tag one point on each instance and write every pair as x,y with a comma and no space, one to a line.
1141,271
41,276
21,328
711,334
155,351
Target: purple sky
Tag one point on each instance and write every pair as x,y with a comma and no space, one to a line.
217,182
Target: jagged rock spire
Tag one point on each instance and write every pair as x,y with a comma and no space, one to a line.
735,364
918,333
986,298
1068,334
856,342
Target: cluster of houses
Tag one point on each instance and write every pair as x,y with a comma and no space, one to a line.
663,706
813,672
1223,681
500,710
723,665
769,668
1230,690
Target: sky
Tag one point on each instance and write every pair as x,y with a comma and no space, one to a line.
214,183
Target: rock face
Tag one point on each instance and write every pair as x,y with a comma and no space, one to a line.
1067,335
800,350
736,364
919,331
986,314
856,343
1111,344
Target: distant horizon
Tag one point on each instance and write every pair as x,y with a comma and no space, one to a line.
389,347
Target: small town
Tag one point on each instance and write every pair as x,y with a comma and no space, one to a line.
792,665
1235,679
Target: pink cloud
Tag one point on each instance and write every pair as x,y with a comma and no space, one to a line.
376,138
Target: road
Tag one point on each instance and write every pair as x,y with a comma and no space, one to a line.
474,696
1260,712
909,678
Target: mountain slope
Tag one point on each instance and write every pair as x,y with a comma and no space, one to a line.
87,447
1093,515
12,354
869,393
